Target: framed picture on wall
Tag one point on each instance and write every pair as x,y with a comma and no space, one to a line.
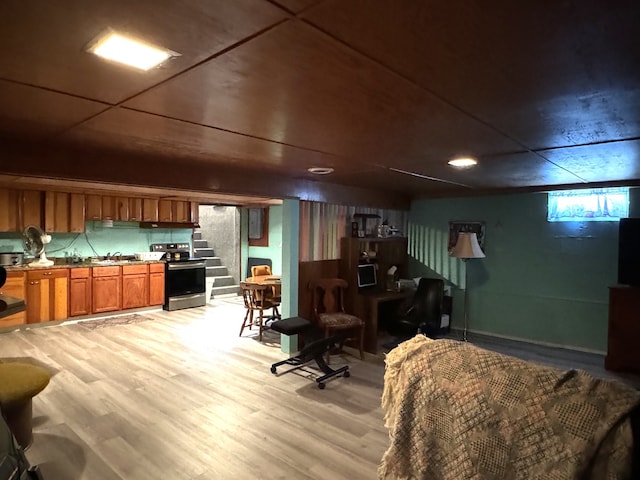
455,227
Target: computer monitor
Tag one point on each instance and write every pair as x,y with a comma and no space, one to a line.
367,275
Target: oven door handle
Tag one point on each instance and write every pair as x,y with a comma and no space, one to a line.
184,266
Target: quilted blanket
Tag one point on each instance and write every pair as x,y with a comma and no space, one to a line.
455,411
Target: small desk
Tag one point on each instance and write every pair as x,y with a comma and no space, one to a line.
373,301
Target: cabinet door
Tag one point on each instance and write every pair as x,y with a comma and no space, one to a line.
156,284
108,207
107,294
164,211
135,290
194,214
76,213
93,207
135,209
56,212
30,208
14,287
150,210
180,211
47,295
122,209
79,291
9,210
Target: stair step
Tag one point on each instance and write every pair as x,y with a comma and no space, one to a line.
212,261
197,235
217,271
203,252
197,243
230,289
223,281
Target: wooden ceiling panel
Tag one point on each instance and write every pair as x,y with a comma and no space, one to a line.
548,74
293,85
297,6
614,161
44,43
31,111
135,131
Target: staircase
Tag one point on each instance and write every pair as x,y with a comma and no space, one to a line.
223,283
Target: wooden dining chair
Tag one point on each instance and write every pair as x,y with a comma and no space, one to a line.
258,270
257,298
329,311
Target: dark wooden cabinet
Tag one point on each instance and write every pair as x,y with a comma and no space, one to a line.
106,288
9,210
150,210
156,284
135,286
79,291
30,209
624,329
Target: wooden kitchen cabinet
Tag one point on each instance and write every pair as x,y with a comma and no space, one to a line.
9,210
165,211
194,214
14,287
63,212
108,207
135,209
93,207
156,284
135,286
76,213
47,295
30,204
180,211
79,291
150,210
106,289
122,209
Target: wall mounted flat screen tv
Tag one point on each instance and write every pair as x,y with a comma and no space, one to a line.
367,275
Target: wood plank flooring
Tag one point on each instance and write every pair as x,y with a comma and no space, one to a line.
181,396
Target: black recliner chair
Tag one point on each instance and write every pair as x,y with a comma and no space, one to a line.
424,313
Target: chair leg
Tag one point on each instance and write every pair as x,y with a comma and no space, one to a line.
244,322
362,342
260,326
326,335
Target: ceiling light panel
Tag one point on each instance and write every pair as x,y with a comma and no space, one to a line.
118,48
463,162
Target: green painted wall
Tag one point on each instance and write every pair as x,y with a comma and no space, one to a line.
274,250
125,237
542,282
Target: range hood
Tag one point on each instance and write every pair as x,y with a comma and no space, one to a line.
169,225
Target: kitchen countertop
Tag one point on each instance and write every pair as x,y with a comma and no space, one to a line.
115,263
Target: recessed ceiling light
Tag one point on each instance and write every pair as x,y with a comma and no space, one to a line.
128,51
320,170
463,162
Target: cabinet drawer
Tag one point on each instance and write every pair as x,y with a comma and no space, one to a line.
106,271
44,274
134,269
80,272
156,267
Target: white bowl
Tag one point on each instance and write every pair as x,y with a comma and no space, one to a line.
149,256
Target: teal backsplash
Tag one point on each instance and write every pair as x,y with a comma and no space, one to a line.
125,237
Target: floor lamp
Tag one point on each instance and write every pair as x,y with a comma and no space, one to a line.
466,247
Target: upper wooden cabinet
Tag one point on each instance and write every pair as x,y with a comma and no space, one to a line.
9,210
165,211
180,211
108,207
194,215
135,209
122,209
150,210
76,212
30,205
93,207
63,212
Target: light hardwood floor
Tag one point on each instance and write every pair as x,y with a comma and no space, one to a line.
181,396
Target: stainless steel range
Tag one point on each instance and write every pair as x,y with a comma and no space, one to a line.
184,277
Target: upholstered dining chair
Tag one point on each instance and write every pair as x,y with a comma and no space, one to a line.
258,270
329,311
257,298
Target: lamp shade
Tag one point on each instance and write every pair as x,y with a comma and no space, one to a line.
467,246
